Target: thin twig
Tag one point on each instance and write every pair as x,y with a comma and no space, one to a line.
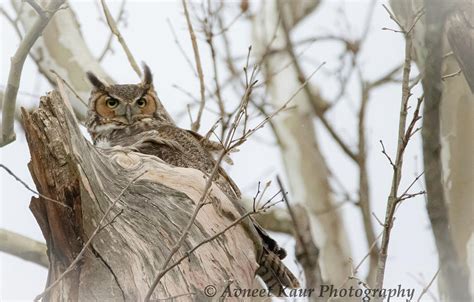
185,232
384,152
410,195
319,106
114,28
70,88
197,58
388,77
425,289
180,47
194,248
108,44
298,234
392,16
403,139
32,190
208,30
371,248
12,22
229,25
412,183
364,189
285,105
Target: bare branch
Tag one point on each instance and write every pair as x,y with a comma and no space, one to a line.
197,58
23,247
108,44
17,61
207,240
208,30
386,78
392,16
284,106
426,288
180,47
403,139
371,248
31,190
39,10
114,28
70,88
12,22
364,190
276,220
412,183
307,252
164,267
386,155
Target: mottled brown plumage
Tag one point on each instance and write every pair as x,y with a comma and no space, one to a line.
132,116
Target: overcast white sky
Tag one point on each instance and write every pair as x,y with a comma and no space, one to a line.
412,251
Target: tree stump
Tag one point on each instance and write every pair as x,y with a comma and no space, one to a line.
127,253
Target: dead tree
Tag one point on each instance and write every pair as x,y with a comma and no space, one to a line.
133,207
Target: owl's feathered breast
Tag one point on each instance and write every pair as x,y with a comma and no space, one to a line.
173,145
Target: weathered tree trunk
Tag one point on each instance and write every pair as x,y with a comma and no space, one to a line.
145,223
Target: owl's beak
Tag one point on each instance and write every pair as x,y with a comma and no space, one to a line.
128,113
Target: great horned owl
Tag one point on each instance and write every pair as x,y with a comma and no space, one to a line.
131,115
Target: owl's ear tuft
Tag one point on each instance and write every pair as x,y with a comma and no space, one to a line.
147,76
95,81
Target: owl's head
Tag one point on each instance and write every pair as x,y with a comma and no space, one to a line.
120,106
123,104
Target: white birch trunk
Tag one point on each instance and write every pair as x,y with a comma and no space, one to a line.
304,164
457,128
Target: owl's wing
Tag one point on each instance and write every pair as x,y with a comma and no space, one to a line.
213,148
159,141
210,146
268,241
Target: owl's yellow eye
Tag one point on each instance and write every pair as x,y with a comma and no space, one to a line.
112,103
141,103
